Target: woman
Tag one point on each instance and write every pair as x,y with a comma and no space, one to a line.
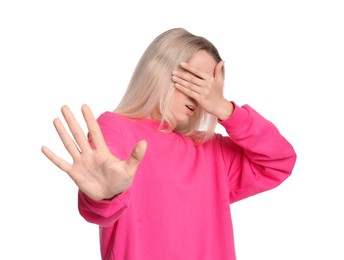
153,174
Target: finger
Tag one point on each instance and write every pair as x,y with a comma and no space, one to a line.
66,139
93,127
60,163
187,77
75,129
198,73
187,84
187,91
136,156
219,71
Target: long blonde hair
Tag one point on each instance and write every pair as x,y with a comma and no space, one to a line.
150,88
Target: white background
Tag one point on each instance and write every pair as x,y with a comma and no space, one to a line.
284,58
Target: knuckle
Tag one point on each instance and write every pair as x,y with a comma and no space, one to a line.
189,92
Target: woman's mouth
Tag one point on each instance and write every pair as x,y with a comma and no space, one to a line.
190,107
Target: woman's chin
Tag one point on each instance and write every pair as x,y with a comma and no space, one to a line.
182,124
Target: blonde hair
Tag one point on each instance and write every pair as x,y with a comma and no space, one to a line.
150,88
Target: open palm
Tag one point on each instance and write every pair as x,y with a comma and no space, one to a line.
95,170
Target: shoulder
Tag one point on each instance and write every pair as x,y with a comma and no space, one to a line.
112,119
108,116
114,123
221,144
116,130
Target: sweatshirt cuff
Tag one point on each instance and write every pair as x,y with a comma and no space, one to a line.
122,198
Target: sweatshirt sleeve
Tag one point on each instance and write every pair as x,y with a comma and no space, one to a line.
106,212
260,157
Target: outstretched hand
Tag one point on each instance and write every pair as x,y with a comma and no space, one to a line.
95,170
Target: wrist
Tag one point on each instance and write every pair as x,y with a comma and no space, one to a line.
225,110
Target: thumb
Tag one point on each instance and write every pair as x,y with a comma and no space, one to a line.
219,71
136,155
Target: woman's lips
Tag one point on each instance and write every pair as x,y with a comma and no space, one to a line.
190,107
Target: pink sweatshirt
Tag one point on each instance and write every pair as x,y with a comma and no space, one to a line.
178,206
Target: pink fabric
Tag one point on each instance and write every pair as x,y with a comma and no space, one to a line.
178,206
